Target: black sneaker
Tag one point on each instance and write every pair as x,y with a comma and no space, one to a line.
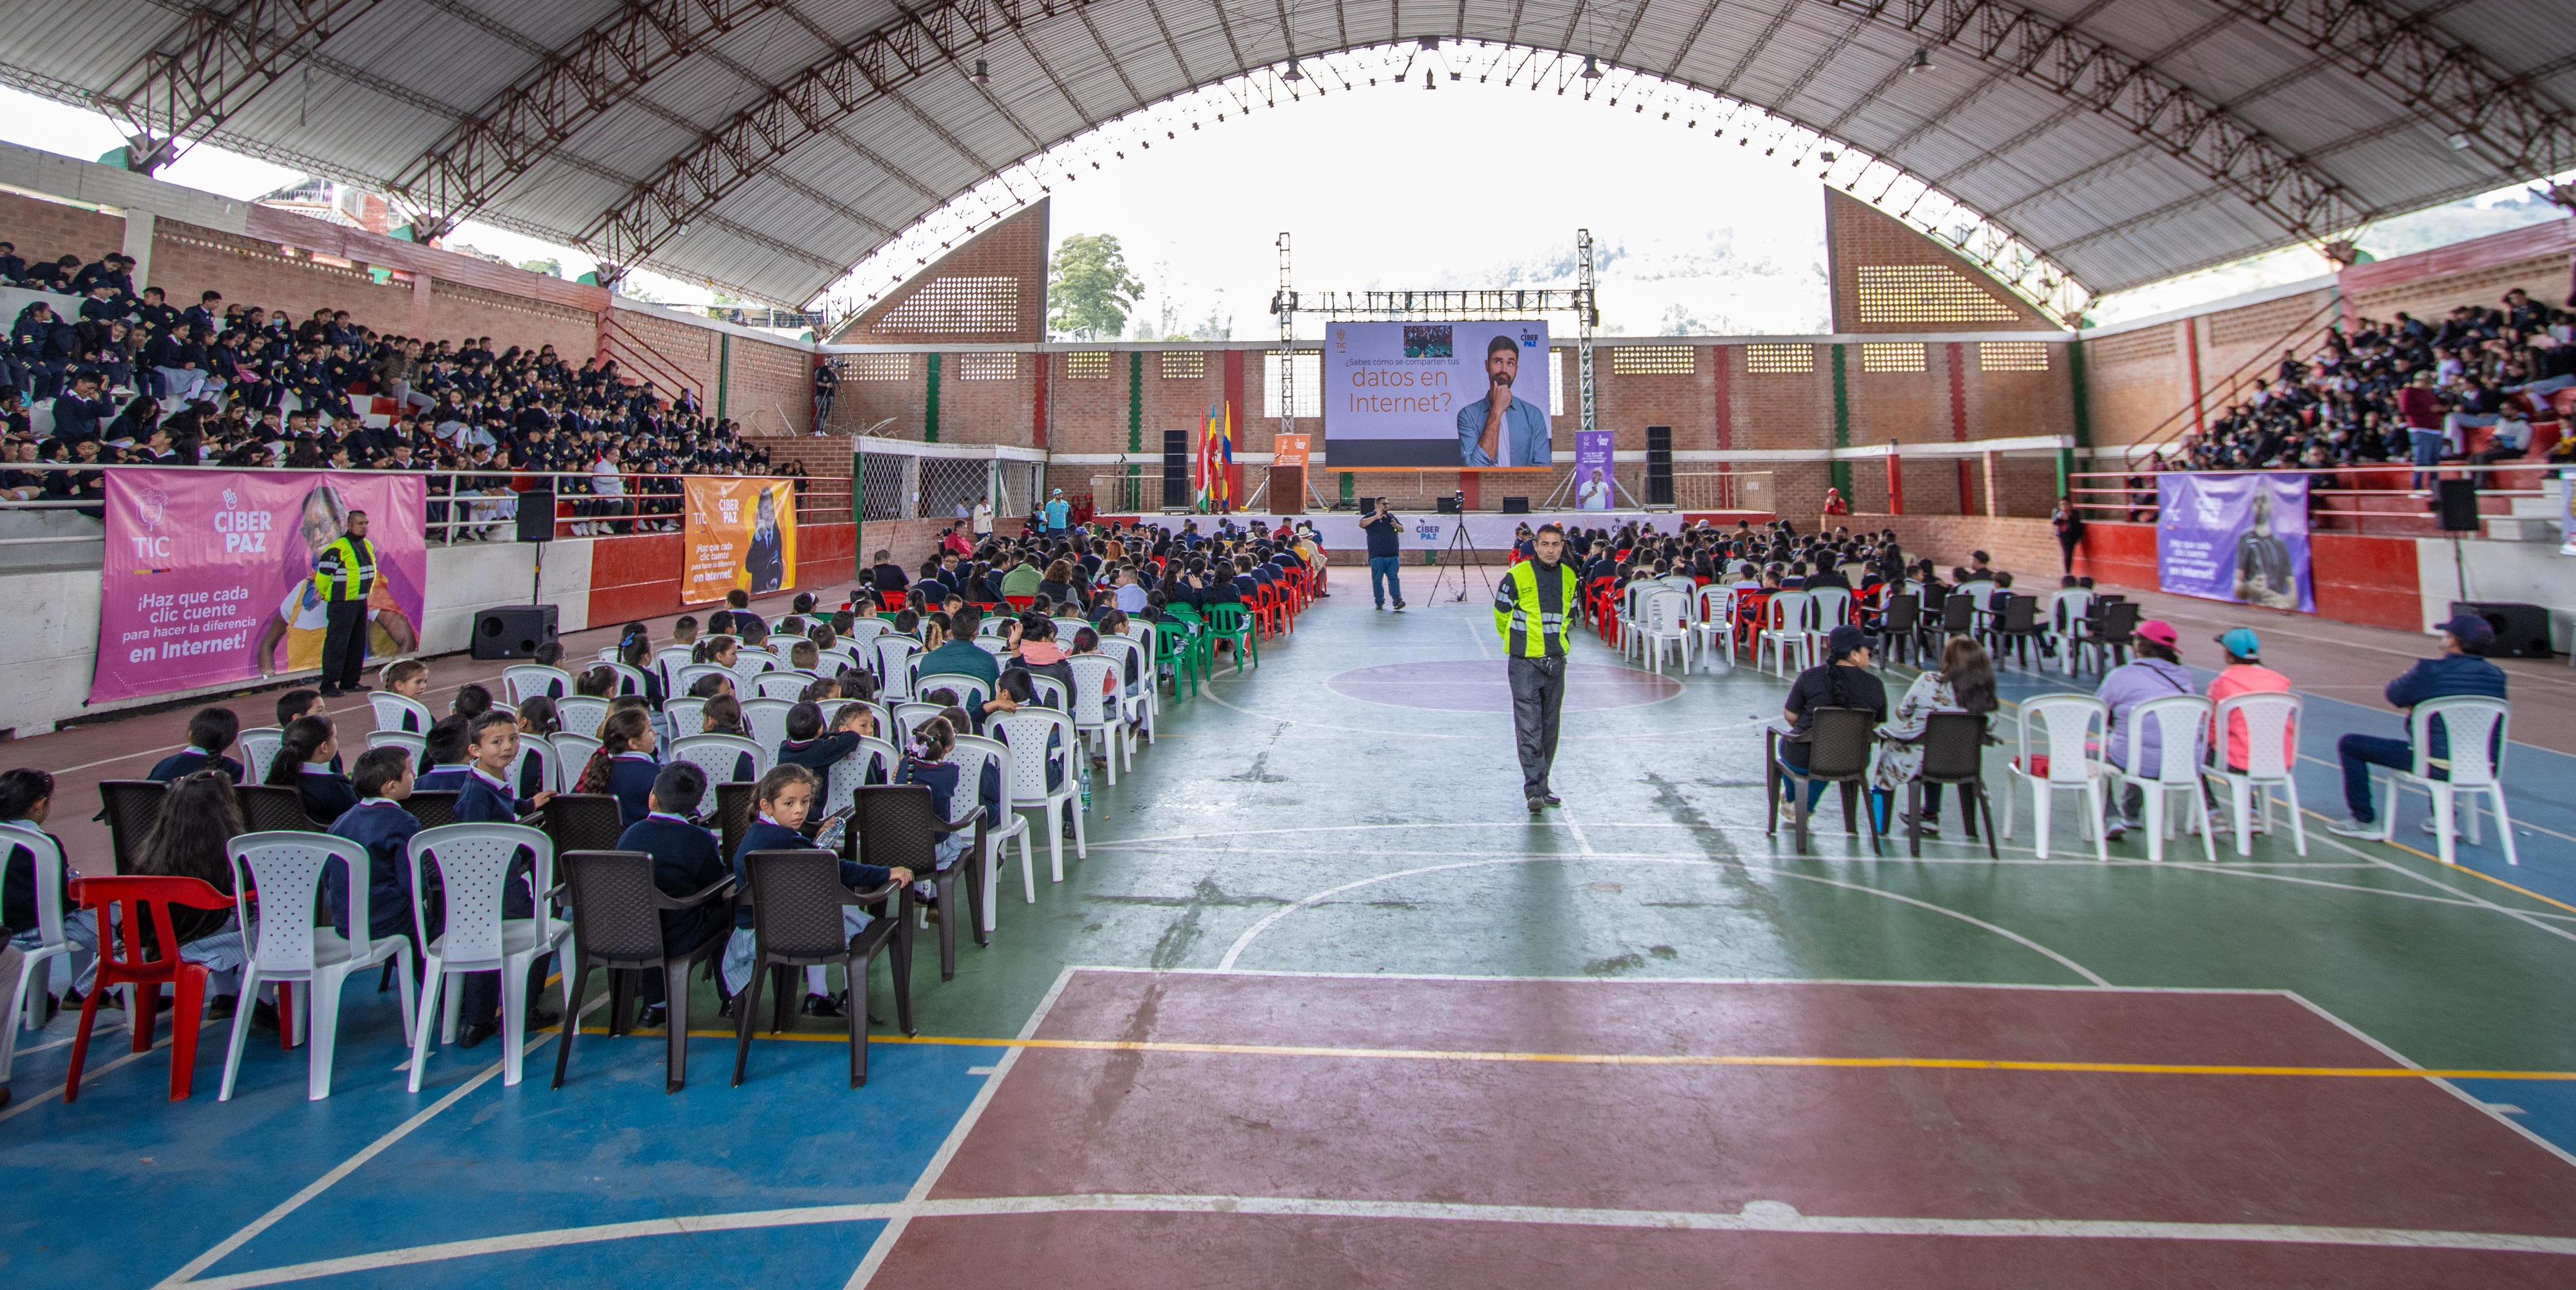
263,1016
653,1018
1537,804
1399,606
473,1033
821,1005
223,1006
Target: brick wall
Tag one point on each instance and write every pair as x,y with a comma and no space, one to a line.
991,290
455,309
1887,277
47,230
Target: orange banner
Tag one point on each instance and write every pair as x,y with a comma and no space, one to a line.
1290,450
739,533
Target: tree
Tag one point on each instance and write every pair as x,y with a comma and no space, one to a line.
1089,288
552,268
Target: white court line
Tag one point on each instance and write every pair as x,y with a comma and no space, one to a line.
2483,1106
1650,981
919,1196
88,1076
188,1271
1766,1217
1252,933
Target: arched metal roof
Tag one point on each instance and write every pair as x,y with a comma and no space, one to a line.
768,145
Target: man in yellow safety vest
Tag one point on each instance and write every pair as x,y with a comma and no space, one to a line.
344,574
1533,604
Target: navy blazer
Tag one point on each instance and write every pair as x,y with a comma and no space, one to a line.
630,781
477,802
686,861
765,836
385,829
189,762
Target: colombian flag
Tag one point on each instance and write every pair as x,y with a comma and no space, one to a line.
1216,459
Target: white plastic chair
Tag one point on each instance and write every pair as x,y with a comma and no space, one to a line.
749,662
392,712
550,773
1144,698
417,746
908,716
259,746
971,753
473,863
572,752
1025,732
866,626
687,717
1661,622
38,965
781,685
582,714
1096,713
766,719
1784,629
630,679
894,663
668,660
1714,625
688,678
2272,725
884,717
720,756
972,691
842,782
2476,730
2065,723
526,681
2181,721
2066,612
1066,627
1827,609
286,868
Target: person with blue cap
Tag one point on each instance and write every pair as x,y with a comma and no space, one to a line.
2245,674
2458,671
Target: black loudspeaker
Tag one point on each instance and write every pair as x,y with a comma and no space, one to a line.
1367,505
1452,504
1516,506
1659,465
1176,467
2457,500
2521,631
513,631
536,522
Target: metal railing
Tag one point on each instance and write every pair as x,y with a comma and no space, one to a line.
2373,498
462,505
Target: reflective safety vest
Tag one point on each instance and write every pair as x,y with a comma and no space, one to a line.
346,569
1517,607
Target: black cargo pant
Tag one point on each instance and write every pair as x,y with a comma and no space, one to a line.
1538,695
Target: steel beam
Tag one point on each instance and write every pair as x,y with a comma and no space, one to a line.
212,65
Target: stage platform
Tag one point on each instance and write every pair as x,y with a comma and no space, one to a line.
1429,531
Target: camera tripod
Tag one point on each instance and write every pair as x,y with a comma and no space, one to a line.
1461,549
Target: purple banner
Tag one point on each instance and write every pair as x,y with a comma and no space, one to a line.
1593,480
208,574
2235,537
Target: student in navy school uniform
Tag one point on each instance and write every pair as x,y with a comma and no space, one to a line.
210,733
408,677
444,757
486,798
537,719
808,746
782,800
624,766
306,703
723,716
380,823
686,861
303,763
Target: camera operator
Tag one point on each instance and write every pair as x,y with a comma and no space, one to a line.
1385,554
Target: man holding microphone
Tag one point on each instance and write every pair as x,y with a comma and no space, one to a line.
1532,605
1385,555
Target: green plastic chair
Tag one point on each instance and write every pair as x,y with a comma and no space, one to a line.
1173,645
1231,622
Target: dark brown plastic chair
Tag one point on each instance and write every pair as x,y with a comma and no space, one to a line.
583,822
796,899
1838,746
1954,752
1901,626
617,925
268,806
2016,627
901,830
733,816
433,807
130,806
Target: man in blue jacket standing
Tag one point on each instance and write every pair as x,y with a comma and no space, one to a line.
2459,671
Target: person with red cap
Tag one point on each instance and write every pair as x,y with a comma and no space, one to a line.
2156,673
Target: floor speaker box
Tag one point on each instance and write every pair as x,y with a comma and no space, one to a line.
2521,631
537,516
2455,501
513,631
1516,506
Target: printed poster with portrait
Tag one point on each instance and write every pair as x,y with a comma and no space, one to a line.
737,534
2241,537
1594,485
208,576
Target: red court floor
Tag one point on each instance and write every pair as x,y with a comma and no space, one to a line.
1255,1130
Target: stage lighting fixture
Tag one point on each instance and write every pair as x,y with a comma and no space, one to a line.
1591,69
1826,157
1292,74
980,76
1429,82
1922,61
2459,142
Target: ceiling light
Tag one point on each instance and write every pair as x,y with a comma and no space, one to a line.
1922,61
979,75
1292,74
1826,157
1591,69
1430,82
2459,142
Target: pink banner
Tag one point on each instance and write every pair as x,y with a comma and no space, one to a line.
208,574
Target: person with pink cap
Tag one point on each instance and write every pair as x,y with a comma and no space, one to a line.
2156,673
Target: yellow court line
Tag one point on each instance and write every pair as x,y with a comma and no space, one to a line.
1687,1060
2512,887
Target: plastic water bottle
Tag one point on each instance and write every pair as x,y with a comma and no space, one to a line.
1084,762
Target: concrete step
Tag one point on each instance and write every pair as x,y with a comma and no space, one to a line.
2521,528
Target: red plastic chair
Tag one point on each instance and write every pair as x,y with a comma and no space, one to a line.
1020,602
122,961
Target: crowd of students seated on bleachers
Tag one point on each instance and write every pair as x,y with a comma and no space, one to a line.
809,708
2402,391
135,379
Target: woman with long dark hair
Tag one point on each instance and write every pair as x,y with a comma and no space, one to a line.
200,816
303,763
1965,682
